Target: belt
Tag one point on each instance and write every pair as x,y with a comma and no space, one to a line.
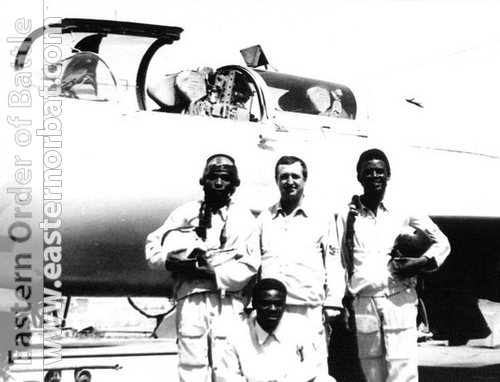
386,292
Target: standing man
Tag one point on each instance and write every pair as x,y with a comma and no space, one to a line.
211,249
270,345
299,247
381,281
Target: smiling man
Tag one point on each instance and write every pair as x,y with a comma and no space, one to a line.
380,279
299,247
270,345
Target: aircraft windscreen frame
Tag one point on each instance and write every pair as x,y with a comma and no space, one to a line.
308,96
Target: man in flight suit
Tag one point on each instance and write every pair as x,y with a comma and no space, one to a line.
210,247
380,279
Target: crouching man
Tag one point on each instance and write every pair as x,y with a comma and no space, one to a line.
210,247
270,345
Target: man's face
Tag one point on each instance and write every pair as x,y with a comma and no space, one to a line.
373,176
290,180
218,180
218,183
270,305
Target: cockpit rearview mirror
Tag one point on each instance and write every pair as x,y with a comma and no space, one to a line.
254,56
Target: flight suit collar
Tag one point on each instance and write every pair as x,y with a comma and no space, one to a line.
382,207
263,336
222,212
302,209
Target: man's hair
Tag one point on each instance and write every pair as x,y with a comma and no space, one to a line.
268,284
290,159
371,155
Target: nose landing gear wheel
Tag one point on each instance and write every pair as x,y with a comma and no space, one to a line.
52,376
83,376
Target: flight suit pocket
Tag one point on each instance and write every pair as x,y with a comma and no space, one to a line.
193,346
219,344
369,338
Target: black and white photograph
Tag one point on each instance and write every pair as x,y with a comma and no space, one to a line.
250,190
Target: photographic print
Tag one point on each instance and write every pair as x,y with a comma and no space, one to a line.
155,161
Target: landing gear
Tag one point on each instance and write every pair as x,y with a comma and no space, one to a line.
53,376
83,376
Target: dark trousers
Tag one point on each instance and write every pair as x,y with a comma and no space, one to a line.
343,359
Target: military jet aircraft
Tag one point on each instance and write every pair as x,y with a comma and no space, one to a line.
127,165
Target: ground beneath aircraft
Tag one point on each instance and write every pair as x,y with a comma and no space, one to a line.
116,334
155,360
